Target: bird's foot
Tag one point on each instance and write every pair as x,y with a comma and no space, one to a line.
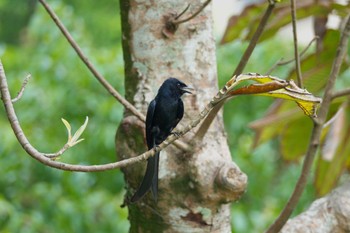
177,134
156,150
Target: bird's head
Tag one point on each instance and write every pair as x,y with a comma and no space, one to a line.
176,87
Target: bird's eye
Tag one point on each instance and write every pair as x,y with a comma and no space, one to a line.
178,84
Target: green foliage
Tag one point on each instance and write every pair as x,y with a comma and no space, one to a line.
282,134
271,180
35,198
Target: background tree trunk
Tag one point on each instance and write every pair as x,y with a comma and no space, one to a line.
329,214
195,189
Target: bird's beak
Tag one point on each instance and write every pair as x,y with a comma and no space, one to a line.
187,90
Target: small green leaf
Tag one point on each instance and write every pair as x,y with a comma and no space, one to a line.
72,141
79,132
69,129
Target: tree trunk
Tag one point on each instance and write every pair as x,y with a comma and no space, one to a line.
195,188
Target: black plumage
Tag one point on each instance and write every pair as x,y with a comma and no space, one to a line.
163,114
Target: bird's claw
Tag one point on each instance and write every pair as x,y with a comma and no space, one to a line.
177,134
156,149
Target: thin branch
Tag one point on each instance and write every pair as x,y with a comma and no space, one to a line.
281,62
21,91
295,39
341,93
172,21
54,156
255,39
183,12
178,21
89,65
316,133
241,64
47,158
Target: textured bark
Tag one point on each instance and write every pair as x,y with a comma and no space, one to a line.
329,214
195,189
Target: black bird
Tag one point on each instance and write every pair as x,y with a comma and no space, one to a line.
163,114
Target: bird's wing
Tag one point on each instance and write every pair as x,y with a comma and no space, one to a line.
150,178
180,112
149,120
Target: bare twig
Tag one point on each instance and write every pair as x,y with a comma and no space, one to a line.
316,133
21,91
254,40
281,62
89,65
295,39
54,156
183,12
341,93
179,144
178,21
172,21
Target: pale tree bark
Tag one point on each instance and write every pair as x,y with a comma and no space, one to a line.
329,214
195,187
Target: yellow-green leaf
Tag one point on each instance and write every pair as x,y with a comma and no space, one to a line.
266,85
69,129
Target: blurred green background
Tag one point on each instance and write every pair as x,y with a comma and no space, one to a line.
36,198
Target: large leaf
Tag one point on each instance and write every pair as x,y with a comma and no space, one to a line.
315,70
317,66
294,138
256,84
267,85
334,154
244,25
272,124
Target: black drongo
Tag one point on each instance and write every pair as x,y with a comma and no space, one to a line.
163,114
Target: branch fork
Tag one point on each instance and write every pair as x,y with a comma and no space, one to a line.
172,20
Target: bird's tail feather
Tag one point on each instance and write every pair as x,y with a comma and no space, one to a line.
154,187
150,180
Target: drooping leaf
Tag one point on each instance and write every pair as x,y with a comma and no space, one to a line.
238,24
316,67
333,134
266,85
315,70
331,164
294,138
278,115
